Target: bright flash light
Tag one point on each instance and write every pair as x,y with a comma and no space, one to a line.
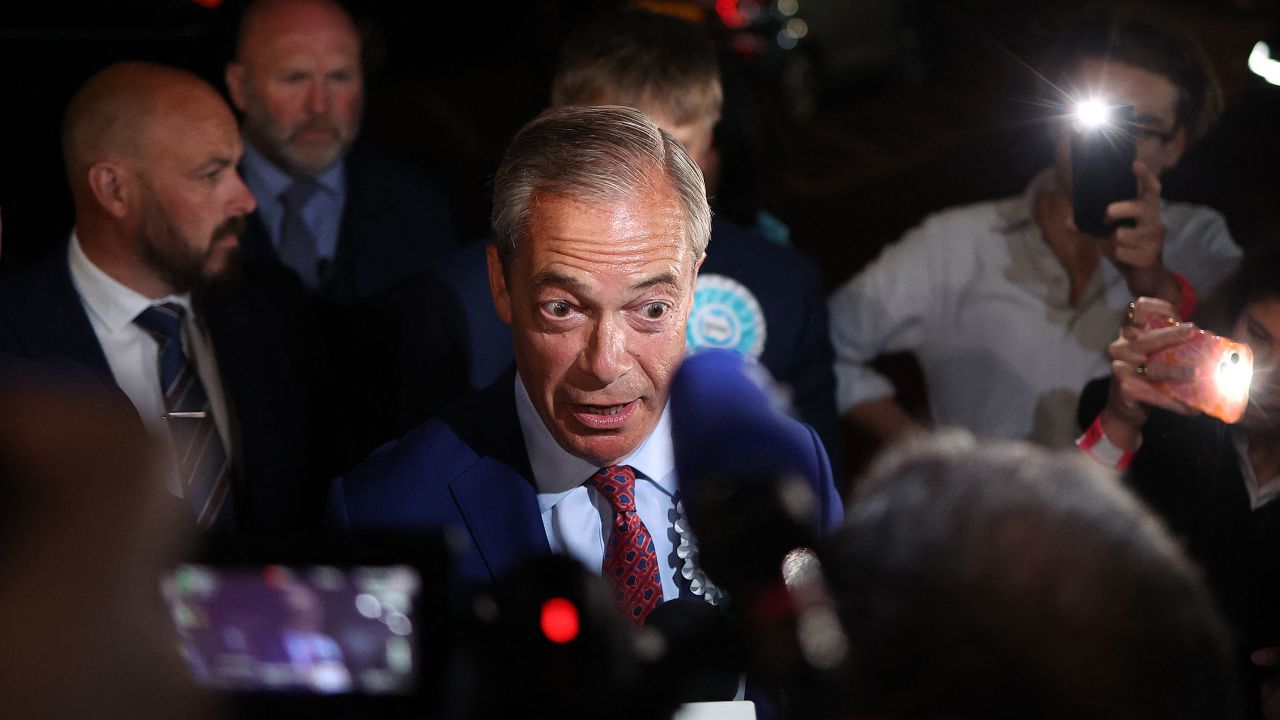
1263,65
1234,375
1092,113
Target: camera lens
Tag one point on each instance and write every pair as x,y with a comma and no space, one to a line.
1235,358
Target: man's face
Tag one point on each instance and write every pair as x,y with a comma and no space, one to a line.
597,300
192,204
1160,141
1259,327
696,136
302,92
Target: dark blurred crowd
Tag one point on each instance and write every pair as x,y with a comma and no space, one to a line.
631,399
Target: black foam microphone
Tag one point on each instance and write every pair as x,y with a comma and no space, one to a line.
699,659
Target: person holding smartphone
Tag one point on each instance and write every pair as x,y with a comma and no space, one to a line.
1215,485
1008,305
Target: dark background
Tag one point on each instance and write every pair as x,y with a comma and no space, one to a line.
920,105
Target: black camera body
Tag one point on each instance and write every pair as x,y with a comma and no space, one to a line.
1102,170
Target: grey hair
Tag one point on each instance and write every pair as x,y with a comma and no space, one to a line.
994,580
602,153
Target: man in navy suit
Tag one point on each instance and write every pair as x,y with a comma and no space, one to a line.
360,230
601,222
143,294
756,296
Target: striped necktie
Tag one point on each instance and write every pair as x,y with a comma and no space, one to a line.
202,459
630,560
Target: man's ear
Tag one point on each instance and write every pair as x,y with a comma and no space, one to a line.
110,187
235,84
498,284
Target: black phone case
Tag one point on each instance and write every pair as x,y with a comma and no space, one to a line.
1102,170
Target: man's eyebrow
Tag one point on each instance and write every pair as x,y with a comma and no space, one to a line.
665,278
551,277
214,163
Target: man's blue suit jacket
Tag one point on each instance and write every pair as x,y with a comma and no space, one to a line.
467,472
264,346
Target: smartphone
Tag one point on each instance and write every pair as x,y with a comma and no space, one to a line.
1223,371
1102,156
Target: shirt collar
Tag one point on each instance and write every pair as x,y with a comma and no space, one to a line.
1259,494
269,181
556,471
112,302
1021,211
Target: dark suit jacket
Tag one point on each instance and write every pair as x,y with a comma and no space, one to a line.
392,336
1188,471
468,471
786,284
395,225
262,343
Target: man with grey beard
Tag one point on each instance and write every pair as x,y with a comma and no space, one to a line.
348,220
146,293
359,229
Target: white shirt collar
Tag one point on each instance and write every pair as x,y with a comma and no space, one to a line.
557,472
114,303
1258,495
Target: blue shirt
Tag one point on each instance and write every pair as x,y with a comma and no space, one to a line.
576,519
322,212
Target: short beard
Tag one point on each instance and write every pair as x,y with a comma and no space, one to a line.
263,133
175,262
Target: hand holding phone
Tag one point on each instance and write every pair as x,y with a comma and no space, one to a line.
1103,148
1222,370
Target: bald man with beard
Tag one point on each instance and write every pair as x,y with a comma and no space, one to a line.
147,293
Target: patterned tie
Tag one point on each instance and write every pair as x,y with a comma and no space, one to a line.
630,562
202,460
297,245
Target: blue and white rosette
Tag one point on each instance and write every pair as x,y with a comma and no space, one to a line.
690,569
727,316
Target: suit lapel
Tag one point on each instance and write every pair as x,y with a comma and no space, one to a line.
497,497
500,508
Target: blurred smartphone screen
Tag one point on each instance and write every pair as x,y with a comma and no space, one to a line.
308,629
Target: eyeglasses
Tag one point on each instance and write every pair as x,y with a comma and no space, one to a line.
1147,133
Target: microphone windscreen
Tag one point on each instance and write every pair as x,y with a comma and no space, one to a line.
700,660
728,419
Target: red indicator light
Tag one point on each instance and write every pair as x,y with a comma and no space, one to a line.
275,577
730,14
559,620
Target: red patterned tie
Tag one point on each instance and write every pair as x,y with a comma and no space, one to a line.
630,562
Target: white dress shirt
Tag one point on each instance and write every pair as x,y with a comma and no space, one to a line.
133,354
980,298
576,518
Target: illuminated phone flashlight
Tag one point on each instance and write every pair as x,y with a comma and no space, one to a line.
1235,373
1092,114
